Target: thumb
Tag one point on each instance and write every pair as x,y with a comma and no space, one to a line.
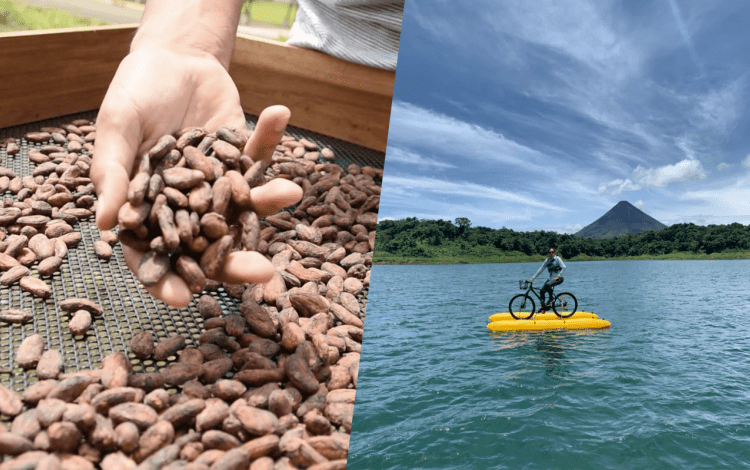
268,132
118,136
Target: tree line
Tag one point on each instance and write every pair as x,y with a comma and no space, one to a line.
412,237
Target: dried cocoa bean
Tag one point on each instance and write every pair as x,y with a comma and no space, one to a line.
181,372
190,272
214,370
183,413
30,351
199,198
213,225
212,260
102,249
35,287
15,316
162,147
50,365
80,323
131,217
152,268
138,188
169,347
165,217
139,414
182,178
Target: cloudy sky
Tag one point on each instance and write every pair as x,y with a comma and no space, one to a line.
542,115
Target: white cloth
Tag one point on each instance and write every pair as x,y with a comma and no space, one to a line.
360,31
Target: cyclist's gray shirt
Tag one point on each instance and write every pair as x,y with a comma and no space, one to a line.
361,31
555,266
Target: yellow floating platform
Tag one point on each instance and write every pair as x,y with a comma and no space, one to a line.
540,325
505,316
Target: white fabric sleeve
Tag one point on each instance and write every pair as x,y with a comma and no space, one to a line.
560,274
361,31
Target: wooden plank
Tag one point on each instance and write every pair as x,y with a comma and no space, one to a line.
340,99
45,74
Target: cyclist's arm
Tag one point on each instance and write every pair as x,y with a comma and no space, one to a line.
560,274
540,270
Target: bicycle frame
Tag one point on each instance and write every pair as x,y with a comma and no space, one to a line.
537,292
565,299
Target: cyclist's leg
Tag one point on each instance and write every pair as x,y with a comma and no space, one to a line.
552,283
543,292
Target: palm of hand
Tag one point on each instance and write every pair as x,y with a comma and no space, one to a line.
160,92
163,92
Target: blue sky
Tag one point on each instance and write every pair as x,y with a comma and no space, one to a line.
542,115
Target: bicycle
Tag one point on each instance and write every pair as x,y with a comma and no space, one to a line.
522,306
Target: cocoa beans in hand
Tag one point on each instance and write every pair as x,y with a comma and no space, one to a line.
182,207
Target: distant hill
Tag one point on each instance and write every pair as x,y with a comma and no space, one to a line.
622,219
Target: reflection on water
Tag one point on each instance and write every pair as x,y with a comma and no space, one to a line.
553,353
664,387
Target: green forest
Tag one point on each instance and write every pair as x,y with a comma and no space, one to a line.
415,240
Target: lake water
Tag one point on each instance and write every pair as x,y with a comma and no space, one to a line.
667,386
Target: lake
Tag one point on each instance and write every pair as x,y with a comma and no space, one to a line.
667,386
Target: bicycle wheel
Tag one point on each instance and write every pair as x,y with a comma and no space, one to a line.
521,307
565,305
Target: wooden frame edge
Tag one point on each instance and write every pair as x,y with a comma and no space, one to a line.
59,72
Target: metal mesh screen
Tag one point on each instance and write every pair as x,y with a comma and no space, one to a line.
128,308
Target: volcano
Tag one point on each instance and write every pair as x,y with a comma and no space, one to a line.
622,219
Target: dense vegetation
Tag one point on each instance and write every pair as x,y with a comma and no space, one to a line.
443,241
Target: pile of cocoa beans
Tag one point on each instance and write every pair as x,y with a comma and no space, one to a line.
270,385
37,224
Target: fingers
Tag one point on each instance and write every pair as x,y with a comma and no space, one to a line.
171,288
268,132
274,196
246,266
117,139
240,267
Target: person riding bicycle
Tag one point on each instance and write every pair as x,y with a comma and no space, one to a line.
556,268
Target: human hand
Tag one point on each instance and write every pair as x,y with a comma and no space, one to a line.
160,91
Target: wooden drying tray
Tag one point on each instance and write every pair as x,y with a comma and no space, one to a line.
46,74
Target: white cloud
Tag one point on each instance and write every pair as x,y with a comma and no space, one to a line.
617,186
572,228
685,34
442,28
580,29
729,202
719,109
422,185
396,154
723,166
639,204
686,170
746,161
412,125
686,144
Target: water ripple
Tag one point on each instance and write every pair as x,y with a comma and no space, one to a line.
666,386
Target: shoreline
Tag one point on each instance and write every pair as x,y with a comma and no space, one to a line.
393,260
